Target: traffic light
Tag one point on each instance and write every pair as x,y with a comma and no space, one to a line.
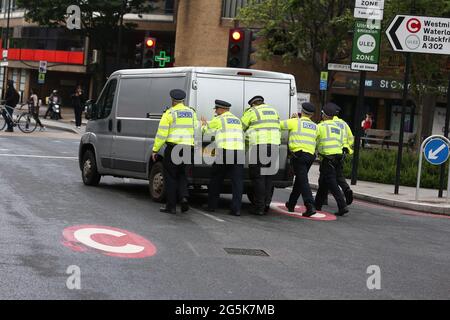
149,52
240,48
138,54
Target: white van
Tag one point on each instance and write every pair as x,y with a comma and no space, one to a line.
124,120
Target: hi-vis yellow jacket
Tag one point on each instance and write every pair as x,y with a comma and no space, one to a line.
262,125
178,125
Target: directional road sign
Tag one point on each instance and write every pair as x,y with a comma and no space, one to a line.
418,34
436,151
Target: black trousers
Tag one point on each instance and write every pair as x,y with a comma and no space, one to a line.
8,120
328,181
341,181
78,110
35,112
301,163
175,180
230,169
262,184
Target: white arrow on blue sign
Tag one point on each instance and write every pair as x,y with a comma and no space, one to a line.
436,151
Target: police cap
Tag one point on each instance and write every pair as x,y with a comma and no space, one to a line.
255,98
308,108
178,95
222,104
330,109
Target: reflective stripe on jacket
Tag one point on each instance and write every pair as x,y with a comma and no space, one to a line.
302,134
177,126
329,139
262,125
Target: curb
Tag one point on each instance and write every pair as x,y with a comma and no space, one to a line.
414,206
51,125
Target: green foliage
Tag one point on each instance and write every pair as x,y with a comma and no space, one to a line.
380,166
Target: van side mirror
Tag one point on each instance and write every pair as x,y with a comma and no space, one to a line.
89,109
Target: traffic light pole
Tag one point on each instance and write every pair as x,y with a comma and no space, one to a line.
120,36
6,47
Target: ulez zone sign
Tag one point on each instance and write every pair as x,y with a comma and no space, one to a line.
366,46
419,34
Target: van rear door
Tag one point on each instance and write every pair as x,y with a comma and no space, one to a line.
276,93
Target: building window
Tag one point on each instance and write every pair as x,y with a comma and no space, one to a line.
230,8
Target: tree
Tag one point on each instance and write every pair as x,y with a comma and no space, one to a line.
99,20
317,31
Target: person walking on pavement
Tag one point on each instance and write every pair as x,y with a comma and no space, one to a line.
229,139
261,123
33,102
329,146
348,140
78,105
366,124
177,127
302,144
11,100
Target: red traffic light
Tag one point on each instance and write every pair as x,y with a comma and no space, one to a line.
150,42
236,35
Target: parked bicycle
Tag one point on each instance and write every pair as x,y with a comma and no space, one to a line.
24,120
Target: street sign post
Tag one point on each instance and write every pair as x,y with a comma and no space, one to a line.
436,150
417,34
366,46
369,9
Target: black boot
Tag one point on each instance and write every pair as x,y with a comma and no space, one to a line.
290,207
166,209
310,211
184,205
342,212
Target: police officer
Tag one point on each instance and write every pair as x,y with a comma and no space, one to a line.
229,140
348,140
261,124
177,127
329,146
302,144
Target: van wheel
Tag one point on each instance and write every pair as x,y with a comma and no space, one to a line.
89,172
156,182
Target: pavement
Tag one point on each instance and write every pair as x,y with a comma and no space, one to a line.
43,195
383,194
67,123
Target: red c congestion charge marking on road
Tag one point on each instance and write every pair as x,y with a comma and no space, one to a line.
319,216
109,241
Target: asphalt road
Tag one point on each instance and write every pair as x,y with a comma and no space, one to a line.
42,194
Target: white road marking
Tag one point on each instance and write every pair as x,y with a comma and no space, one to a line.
36,156
207,215
193,249
4,150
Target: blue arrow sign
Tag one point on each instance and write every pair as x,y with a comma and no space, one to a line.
436,151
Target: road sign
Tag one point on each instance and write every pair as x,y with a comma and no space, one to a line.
418,34
324,81
340,67
108,241
41,78
42,66
436,151
369,9
366,46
